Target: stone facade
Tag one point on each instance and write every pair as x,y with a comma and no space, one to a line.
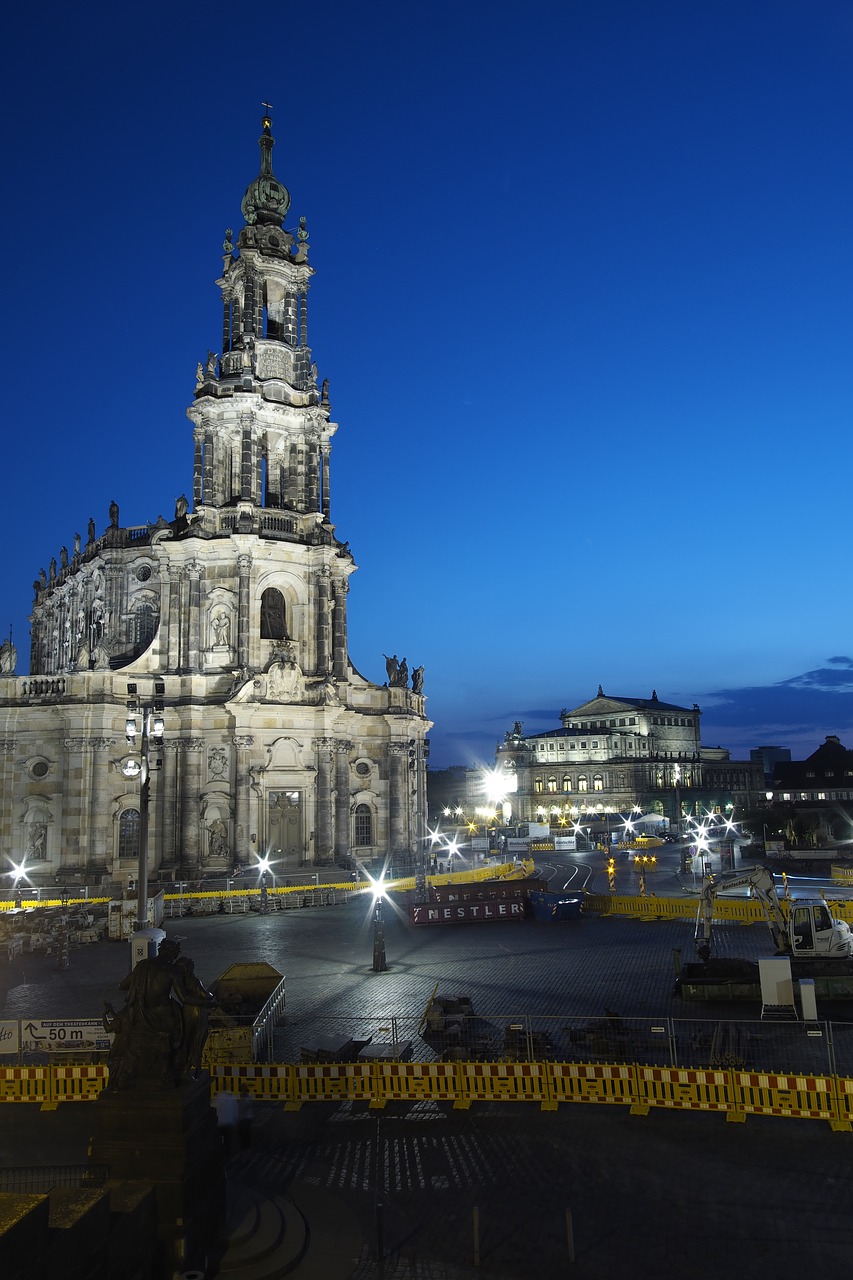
616,754
234,613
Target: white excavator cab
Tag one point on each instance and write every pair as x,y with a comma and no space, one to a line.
814,932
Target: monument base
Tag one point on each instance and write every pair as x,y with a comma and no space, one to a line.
168,1137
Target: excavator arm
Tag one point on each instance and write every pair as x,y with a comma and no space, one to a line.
763,886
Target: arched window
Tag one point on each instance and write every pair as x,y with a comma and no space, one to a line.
128,834
598,783
143,624
583,784
537,785
363,826
273,625
567,782
552,783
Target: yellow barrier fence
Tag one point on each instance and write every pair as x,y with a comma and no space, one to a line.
685,1089
732,1092
593,1082
26,1084
802,1097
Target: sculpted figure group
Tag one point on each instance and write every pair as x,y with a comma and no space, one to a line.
161,1030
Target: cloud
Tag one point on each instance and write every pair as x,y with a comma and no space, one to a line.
795,712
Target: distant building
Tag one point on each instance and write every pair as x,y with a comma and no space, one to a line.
813,798
769,757
621,753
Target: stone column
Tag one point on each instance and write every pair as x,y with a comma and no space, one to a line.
244,569
100,847
339,629
324,628
397,797
193,573
246,459
323,802
242,779
327,493
189,790
342,800
198,467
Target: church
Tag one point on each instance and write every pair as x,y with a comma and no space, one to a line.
225,628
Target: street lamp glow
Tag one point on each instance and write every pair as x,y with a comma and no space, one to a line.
18,872
264,865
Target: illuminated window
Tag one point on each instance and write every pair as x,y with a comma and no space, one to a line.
552,783
583,784
598,783
567,782
537,785
362,826
128,834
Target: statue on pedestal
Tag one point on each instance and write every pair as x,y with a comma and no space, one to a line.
159,1040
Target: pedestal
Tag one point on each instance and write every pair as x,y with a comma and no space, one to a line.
168,1137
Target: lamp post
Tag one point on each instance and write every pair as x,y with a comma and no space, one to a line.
380,964
144,720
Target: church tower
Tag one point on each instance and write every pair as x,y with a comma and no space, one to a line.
233,615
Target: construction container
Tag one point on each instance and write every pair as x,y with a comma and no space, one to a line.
250,1000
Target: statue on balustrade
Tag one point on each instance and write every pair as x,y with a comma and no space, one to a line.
160,1032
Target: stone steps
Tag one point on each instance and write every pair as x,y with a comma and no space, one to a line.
307,1232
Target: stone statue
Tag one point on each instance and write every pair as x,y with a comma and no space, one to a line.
403,674
63,557
159,1040
221,630
329,695
217,839
418,680
211,364
114,514
324,392
199,375
91,535
391,665
77,544
38,842
52,570
182,506
8,658
42,577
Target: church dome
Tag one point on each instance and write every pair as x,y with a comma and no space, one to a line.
266,200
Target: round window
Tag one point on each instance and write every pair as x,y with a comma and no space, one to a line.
39,769
143,573
362,768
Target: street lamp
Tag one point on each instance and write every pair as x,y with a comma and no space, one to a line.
379,962
264,865
144,720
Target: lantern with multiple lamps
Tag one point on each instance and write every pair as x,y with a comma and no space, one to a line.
144,724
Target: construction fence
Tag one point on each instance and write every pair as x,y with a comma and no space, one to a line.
734,1093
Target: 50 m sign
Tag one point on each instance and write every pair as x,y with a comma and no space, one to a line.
63,1035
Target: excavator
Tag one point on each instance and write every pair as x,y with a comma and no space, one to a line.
807,932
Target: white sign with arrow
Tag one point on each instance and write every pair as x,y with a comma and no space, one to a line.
63,1035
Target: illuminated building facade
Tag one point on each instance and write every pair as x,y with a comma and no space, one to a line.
234,615
617,754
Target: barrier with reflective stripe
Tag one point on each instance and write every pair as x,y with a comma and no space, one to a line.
694,1090
26,1084
504,1081
766,1094
324,1082
844,1098
80,1083
593,1082
266,1083
402,1081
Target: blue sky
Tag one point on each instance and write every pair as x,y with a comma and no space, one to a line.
584,295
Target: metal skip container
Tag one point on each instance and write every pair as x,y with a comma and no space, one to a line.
250,1000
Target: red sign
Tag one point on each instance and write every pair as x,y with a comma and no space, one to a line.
441,913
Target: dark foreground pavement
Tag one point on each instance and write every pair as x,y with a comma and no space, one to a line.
668,1194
